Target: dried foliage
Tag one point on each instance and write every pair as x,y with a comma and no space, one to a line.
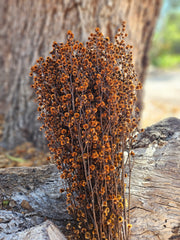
86,97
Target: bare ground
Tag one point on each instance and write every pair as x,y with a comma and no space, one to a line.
161,96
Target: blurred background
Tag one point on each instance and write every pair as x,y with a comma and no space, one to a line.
28,32
162,85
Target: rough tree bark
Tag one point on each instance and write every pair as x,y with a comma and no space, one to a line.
27,32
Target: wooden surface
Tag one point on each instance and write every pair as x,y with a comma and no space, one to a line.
156,183
29,196
45,231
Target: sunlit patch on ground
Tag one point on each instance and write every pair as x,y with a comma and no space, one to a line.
23,155
161,96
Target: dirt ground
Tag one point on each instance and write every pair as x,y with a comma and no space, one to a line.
23,155
161,100
161,96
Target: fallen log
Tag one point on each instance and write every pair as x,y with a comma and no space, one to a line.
45,231
155,206
30,196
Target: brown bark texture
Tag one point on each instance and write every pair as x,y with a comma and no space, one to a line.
28,29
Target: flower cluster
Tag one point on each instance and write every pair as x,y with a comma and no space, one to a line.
86,96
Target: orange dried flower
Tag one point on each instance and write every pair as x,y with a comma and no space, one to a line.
66,114
85,126
92,167
105,138
95,155
76,115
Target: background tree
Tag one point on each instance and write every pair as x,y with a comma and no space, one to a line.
165,51
27,32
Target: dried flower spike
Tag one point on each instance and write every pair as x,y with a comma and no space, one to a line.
87,103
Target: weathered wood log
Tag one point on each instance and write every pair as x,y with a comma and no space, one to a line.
155,207
45,231
31,195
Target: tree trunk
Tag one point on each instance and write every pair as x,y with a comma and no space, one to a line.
30,27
